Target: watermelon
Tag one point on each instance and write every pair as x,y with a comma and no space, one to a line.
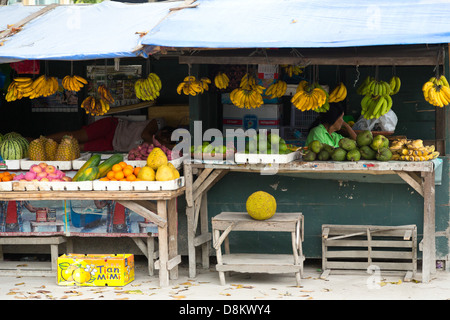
11,149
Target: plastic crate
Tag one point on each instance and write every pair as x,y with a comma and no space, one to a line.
302,119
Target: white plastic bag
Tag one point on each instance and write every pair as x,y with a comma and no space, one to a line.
386,122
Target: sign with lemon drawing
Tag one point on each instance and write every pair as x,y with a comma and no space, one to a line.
95,270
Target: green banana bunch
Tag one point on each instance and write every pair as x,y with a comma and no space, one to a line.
395,84
373,107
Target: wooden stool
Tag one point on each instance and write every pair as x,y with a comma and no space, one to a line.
258,263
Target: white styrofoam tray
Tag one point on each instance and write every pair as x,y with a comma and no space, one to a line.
25,164
138,185
12,164
254,158
6,186
51,185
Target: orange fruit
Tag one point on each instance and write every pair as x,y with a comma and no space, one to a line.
136,171
127,171
123,164
131,177
104,179
117,167
119,175
110,174
7,178
1,175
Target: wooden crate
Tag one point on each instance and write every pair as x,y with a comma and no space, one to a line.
390,249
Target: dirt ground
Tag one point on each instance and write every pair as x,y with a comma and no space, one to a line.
240,286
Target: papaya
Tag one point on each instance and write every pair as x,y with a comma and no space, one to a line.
106,165
93,161
89,174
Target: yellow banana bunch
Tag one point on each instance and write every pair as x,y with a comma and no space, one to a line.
436,91
248,99
148,88
309,97
291,70
373,107
395,84
73,83
44,86
412,150
338,94
105,94
277,89
95,106
191,86
19,88
205,83
221,80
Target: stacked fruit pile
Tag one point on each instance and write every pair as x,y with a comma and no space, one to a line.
412,150
13,146
437,91
94,168
366,147
310,97
43,172
272,144
191,86
46,149
158,168
249,93
377,94
122,172
148,89
7,176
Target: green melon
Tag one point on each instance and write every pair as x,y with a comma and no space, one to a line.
11,149
261,205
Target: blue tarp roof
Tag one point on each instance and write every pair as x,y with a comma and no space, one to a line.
304,24
80,32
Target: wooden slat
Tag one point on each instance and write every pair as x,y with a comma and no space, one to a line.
365,243
364,265
365,254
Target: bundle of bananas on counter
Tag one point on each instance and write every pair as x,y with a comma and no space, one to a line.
192,86
95,106
221,80
291,70
338,94
436,91
277,89
148,88
310,97
249,93
73,83
373,106
412,150
395,84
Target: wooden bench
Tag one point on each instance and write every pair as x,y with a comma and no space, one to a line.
53,241
258,263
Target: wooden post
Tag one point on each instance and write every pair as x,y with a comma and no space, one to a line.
163,246
429,240
172,233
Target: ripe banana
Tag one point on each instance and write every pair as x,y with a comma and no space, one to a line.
309,97
221,80
276,89
105,94
148,88
26,87
73,83
436,91
95,106
412,150
338,94
191,86
291,70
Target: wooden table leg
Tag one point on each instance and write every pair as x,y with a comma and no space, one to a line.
163,245
172,234
429,238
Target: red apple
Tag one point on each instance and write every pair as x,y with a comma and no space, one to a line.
43,165
50,169
36,168
41,175
66,178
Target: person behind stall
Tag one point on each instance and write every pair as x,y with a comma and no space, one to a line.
11,215
114,134
325,127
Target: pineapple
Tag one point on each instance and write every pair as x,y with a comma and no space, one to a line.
50,147
68,149
36,150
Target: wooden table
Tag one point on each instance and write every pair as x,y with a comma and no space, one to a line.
200,177
163,214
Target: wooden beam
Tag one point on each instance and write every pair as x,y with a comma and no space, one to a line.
142,211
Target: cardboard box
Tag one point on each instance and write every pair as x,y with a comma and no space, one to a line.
95,270
268,116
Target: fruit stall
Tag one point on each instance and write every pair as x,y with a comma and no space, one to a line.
395,173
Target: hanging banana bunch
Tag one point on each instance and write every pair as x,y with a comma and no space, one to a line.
291,70
191,86
436,91
395,84
95,106
338,94
148,88
221,80
309,96
276,90
249,93
73,83
18,87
